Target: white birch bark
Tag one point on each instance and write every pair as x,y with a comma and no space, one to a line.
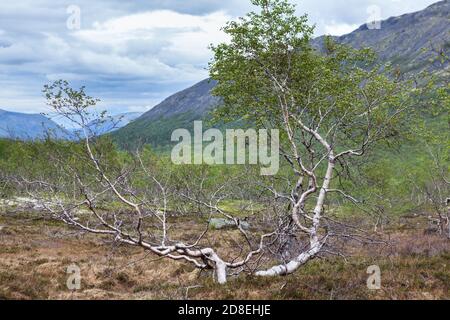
315,244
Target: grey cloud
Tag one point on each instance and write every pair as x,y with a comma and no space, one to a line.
138,71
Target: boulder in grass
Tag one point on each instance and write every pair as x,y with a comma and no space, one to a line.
221,223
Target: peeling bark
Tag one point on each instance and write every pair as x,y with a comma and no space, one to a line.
293,265
221,272
315,244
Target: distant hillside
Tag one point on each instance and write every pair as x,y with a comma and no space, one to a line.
400,41
114,123
15,125
155,127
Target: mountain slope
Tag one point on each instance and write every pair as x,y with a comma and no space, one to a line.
114,123
155,127
400,41
15,125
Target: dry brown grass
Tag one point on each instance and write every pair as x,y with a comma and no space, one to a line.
35,254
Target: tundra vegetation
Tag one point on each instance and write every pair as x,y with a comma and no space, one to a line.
360,148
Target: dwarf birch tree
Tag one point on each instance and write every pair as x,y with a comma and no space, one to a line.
330,103
94,188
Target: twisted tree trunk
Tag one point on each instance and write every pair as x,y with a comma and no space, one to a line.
316,244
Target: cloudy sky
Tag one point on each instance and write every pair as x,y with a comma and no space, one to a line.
133,54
